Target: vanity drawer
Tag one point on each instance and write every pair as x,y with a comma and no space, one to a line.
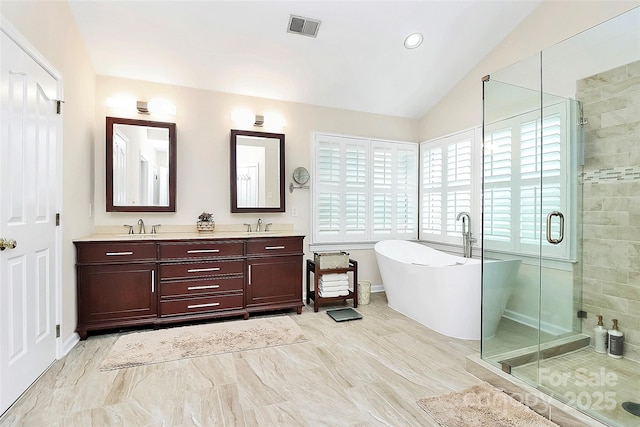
202,286
116,252
200,305
200,250
184,270
282,245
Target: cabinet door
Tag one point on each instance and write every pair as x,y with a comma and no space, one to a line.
116,292
274,282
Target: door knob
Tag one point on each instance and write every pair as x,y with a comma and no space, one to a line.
7,244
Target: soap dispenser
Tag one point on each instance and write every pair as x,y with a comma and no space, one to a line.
616,341
600,336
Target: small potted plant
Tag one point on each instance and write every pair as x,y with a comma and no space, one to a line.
205,223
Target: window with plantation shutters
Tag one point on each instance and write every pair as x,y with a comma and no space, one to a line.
526,168
364,190
394,190
448,182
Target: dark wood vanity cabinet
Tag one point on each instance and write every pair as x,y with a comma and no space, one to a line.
201,279
130,283
274,274
116,285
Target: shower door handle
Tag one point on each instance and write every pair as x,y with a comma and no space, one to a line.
561,237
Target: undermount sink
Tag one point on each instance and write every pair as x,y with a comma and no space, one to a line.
138,236
259,233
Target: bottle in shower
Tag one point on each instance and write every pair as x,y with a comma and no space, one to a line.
600,336
616,341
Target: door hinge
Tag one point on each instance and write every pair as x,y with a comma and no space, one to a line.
583,121
59,106
582,314
57,219
57,331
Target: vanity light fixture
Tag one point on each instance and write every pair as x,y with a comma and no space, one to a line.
245,118
413,41
155,106
142,107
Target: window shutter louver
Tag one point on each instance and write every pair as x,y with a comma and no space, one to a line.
525,172
365,190
447,171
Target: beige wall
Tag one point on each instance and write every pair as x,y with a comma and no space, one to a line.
50,28
203,123
550,23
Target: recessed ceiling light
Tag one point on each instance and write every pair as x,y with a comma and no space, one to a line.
413,41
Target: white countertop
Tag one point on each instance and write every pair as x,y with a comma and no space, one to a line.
216,235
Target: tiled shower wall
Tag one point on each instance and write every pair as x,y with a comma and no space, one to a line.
611,218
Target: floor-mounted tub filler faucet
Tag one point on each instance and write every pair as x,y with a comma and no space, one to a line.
467,236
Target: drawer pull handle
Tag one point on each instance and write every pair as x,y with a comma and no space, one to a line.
119,253
195,288
200,270
274,247
211,304
203,251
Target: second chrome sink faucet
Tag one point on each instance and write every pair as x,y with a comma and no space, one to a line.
258,226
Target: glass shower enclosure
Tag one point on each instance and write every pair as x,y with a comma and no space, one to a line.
561,198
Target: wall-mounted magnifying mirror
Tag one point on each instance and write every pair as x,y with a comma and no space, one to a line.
257,171
141,166
301,177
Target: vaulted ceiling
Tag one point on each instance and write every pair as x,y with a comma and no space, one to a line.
356,62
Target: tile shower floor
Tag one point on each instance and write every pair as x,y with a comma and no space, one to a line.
583,378
589,381
358,373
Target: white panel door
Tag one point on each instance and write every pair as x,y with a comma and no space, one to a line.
27,216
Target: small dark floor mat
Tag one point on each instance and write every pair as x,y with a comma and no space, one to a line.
342,314
632,407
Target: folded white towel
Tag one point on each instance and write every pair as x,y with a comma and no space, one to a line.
333,288
335,283
334,277
328,294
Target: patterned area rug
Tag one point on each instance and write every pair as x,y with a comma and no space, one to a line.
141,348
481,405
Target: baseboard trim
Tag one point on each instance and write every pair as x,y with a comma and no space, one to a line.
69,343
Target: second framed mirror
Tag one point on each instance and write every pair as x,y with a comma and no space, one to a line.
257,171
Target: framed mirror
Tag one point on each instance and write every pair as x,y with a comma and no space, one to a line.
141,165
257,171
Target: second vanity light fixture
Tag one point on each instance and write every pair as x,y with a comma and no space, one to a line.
245,118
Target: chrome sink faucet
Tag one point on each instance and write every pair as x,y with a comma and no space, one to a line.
141,229
259,225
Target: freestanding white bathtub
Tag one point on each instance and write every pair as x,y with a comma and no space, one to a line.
442,291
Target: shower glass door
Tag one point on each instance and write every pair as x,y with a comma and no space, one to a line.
529,196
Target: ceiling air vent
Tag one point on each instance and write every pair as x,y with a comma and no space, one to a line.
304,26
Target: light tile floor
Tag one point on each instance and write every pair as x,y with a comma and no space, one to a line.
357,373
